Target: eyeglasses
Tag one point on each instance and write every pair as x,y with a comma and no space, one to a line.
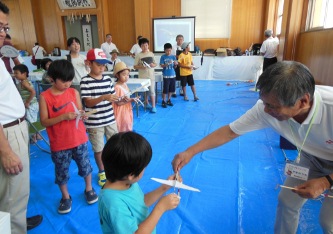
4,29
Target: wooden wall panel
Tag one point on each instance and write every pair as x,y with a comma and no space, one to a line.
166,8
247,26
247,23
121,21
315,50
46,21
21,22
127,19
291,28
143,15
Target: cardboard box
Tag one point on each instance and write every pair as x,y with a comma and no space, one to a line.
222,52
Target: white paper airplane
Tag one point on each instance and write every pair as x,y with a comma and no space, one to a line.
176,184
79,114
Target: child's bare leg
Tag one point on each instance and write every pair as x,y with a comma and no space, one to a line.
184,92
193,90
98,159
169,96
152,99
64,191
87,180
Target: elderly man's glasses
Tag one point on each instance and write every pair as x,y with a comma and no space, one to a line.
4,29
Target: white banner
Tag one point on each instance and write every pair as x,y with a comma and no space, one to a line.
87,37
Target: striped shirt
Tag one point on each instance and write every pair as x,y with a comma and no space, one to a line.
92,88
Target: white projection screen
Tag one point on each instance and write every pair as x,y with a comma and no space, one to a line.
166,29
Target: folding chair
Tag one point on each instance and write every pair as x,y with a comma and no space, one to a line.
36,128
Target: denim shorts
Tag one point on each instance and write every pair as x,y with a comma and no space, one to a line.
62,160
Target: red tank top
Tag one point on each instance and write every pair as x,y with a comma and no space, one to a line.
63,135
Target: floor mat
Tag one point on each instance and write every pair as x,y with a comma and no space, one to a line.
238,181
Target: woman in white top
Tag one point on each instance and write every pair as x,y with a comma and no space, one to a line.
77,59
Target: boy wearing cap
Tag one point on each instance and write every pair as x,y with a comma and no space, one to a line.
98,93
185,62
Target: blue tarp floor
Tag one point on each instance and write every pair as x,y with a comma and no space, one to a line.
238,181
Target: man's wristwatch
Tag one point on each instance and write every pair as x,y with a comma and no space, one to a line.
330,181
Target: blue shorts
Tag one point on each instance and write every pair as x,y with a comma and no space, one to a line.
169,85
62,160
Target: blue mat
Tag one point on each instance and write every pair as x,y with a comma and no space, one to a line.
238,181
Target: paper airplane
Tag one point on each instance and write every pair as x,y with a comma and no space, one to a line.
79,114
176,184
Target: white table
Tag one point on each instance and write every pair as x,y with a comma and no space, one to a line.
158,79
4,223
219,68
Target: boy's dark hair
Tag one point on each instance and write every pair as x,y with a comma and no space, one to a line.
125,153
143,41
167,46
71,40
4,8
44,62
21,68
62,70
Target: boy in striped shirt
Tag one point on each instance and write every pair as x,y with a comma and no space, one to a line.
98,93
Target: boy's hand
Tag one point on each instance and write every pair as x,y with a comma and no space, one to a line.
168,202
70,115
83,116
110,97
172,177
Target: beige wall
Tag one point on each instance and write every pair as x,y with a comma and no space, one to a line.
41,20
126,19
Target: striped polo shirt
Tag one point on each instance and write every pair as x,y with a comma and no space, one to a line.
92,88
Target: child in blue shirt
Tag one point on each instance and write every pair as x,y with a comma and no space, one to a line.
123,208
168,62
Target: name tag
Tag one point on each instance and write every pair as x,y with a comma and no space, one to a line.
296,171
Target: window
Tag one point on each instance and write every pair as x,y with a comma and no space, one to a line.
279,17
213,17
320,14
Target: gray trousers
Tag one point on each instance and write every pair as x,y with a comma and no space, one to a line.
15,189
290,204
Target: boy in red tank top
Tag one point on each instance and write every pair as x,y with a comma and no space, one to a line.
68,139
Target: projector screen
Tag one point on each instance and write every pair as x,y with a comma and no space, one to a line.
166,29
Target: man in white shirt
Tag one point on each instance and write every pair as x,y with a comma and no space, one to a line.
269,49
136,48
14,147
108,46
293,106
